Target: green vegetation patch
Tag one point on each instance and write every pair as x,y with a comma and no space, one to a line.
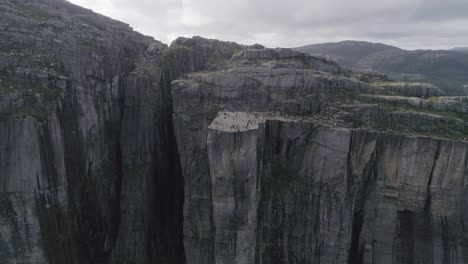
7,86
93,21
49,94
38,109
30,112
23,113
402,85
32,12
448,130
433,99
170,57
447,114
395,84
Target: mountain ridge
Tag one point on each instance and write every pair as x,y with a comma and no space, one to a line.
463,49
445,68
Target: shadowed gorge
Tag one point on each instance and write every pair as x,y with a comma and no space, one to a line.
117,148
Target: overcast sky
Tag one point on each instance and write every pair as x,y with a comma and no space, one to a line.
411,24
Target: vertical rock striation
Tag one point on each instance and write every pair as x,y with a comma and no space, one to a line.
88,162
310,193
263,156
235,176
304,215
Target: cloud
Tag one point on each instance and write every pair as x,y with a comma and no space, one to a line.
406,23
442,10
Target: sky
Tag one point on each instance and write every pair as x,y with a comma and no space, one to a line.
410,24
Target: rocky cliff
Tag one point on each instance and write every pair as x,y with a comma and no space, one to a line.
88,171
305,165
115,148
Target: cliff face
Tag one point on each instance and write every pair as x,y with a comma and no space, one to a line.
332,196
115,148
270,178
89,166
85,120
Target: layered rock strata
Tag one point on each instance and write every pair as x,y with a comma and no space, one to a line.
267,153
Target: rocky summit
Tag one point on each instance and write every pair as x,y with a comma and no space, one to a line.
118,149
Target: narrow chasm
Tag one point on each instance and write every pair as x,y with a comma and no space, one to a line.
168,183
360,190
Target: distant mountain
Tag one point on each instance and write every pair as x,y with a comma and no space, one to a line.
464,49
446,68
346,52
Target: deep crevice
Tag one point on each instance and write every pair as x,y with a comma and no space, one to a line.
427,203
356,251
168,185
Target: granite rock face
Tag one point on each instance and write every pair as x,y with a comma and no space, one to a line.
115,148
84,122
331,195
276,173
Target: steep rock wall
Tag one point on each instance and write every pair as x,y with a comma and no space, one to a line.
319,194
88,164
323,194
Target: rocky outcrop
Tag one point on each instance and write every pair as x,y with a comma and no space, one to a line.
410,89
197,101
284,58
88,168
235,176
266,153
319,194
